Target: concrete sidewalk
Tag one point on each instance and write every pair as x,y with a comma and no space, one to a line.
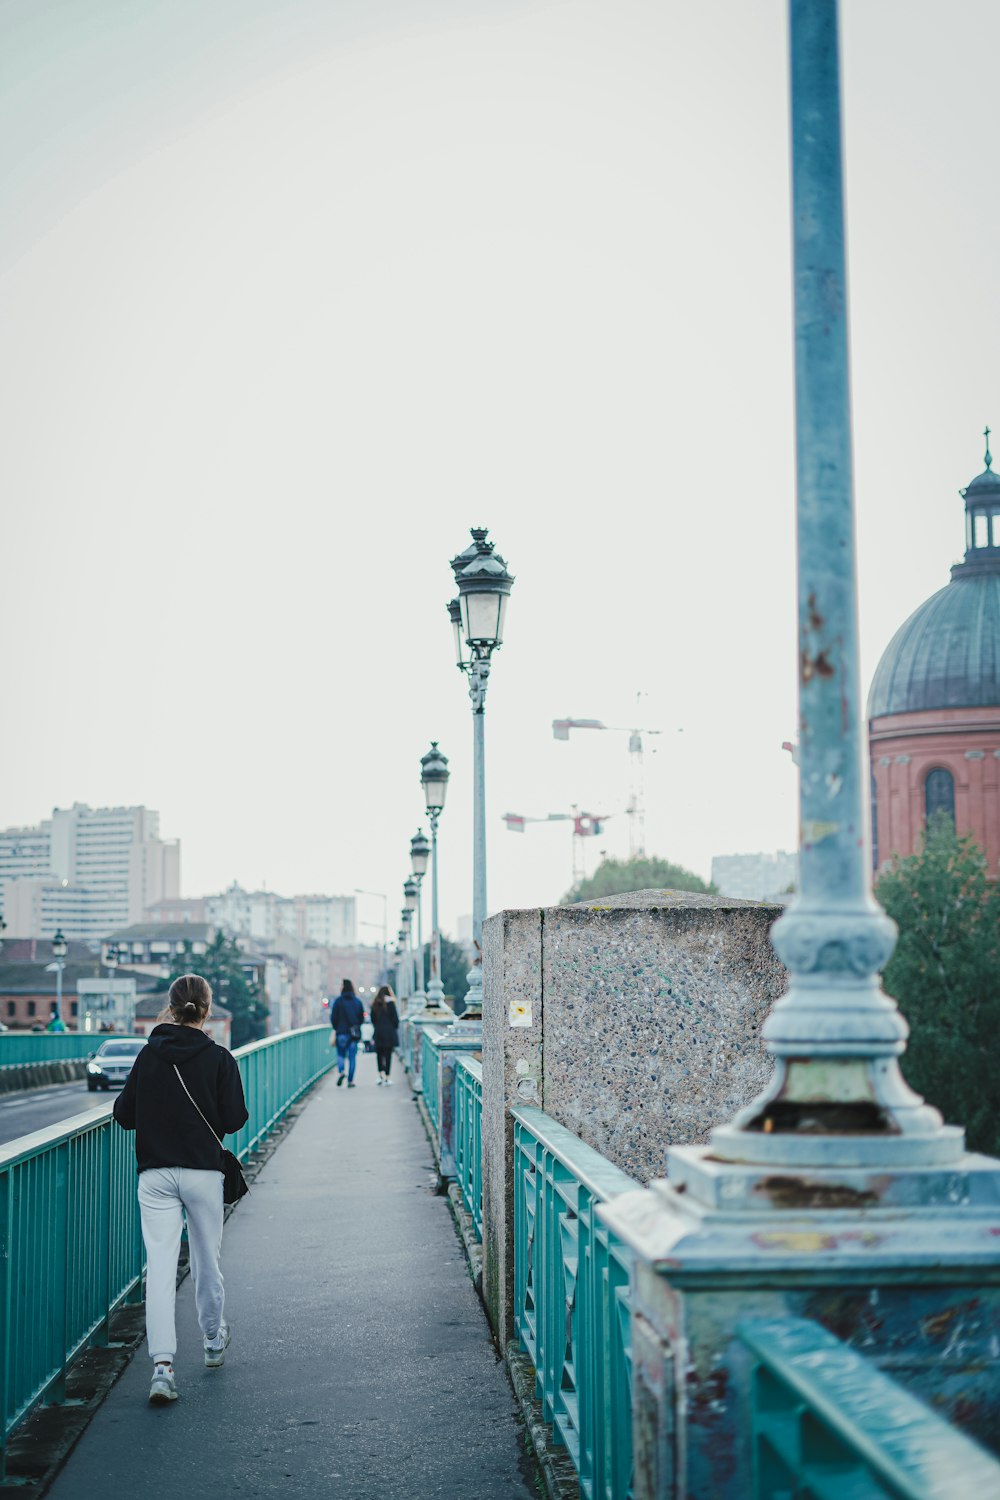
361,1365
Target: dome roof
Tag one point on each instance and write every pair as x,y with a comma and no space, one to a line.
947,654
985,483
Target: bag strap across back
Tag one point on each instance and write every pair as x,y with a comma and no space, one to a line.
193,1101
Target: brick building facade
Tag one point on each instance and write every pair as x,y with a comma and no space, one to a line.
934,705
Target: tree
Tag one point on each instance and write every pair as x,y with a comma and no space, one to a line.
222,965
616,877
454,970
945,977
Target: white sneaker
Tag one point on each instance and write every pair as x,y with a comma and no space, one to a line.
163,1387
381,1080
388,1083
215,1349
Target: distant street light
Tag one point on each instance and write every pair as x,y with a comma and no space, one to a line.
59,948
358,891
403,964
411,896
113,955
420,854
434,778
477,616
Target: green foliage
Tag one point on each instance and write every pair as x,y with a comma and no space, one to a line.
454,971
232,987
615,877
945,977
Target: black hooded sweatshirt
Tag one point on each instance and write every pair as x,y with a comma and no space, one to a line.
169,1132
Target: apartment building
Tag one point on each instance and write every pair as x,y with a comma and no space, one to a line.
86,870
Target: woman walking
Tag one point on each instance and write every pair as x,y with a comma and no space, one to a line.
180,1072
346,1018
385,1021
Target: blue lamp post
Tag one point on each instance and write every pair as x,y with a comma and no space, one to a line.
477,616
403,949
411,898
837,1176
837,1096
434,778
420,855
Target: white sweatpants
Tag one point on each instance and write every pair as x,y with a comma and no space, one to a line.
165,1193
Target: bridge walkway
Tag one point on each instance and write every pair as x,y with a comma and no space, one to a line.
361,1364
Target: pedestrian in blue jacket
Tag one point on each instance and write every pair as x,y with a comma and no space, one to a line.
346,1018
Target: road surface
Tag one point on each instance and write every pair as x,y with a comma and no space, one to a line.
34,1109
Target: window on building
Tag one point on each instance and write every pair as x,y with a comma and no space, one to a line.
981,530
74,1008
12,1007
31,1007
939,793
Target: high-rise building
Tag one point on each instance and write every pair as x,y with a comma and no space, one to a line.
89,870
25,853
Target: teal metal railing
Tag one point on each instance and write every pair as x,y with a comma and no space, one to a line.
430,1076
571,1299
275,1073
827,1423
70,1242
17,1048
469,1137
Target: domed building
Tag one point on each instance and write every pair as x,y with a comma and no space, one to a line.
934,705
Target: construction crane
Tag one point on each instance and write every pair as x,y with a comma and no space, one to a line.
637,776
585,826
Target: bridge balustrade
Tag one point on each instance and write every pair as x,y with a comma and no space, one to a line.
469,1137
827,1423
70,1242
430,1076
571,1299
18,1048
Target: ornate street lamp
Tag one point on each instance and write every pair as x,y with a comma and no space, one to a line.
411,895
434,778
420,855
113,955
59,948
477,616
406,919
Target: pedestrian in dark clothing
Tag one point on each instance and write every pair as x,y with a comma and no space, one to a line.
179,1155
385,1023
346,1018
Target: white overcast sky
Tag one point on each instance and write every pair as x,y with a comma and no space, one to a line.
296,291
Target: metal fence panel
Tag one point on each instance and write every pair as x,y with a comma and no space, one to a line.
17,1048
828,1424
571,1299
430,1075
469,1137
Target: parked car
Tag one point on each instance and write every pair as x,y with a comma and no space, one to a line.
111,1064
